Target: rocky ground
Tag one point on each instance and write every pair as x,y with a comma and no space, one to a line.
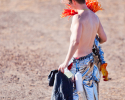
34,40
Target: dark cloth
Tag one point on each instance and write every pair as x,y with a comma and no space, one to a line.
51,77
62,88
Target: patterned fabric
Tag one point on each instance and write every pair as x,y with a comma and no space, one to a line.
90,76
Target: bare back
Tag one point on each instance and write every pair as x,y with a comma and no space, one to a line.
90,24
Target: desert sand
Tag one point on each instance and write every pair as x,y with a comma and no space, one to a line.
34,40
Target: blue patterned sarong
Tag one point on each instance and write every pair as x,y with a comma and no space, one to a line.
90,75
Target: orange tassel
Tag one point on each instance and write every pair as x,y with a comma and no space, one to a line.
104,71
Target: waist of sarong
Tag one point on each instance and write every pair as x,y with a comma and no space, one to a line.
82,58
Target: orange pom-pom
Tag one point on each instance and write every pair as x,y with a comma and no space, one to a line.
93,5
68,12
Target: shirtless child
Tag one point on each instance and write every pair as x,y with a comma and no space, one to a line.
85,25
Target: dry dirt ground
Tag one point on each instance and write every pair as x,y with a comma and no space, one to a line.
34,40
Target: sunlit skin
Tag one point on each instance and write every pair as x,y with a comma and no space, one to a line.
85,25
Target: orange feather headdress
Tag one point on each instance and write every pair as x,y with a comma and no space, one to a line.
93,5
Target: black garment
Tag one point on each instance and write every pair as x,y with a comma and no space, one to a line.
63,87
51,77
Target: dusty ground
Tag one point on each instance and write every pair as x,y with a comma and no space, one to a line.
34,41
